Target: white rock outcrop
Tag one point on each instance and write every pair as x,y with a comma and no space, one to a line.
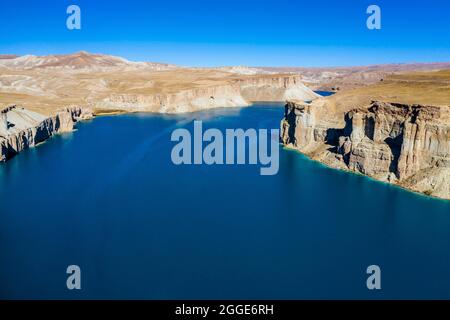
21,128
238,93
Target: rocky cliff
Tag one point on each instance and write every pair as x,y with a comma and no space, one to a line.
21,128
236,93
405,144
275,88
177,102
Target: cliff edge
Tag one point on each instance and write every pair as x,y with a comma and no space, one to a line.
407,144
21,128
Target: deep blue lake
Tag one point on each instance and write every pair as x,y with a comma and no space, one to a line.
109,199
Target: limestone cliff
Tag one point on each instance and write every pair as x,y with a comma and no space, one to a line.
236,93
275,88
408,145
178,102
21,128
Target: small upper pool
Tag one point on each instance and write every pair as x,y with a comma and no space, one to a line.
325,93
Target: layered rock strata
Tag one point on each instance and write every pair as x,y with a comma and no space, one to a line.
237,93
408,145
21,128
177,102
275,88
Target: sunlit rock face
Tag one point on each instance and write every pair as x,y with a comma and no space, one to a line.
112,84
275,88
238,92
399,143
21,128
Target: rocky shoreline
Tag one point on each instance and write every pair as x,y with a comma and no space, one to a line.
406,145
21,128
239,92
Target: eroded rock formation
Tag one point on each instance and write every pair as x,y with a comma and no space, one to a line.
178,102
237,93
403,144
275,88
21,128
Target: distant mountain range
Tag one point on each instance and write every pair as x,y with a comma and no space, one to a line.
338,78
79,60
326,78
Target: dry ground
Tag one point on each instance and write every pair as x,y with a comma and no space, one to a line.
46,90
428,88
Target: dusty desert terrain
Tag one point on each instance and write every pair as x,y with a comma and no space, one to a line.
343,78
107,83
44,95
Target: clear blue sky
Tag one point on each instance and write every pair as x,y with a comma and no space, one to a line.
232,32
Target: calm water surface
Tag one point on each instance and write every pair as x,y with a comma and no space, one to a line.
108,198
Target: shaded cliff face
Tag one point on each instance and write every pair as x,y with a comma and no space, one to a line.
21,128
403,144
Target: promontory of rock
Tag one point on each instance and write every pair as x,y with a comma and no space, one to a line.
397,131
21,128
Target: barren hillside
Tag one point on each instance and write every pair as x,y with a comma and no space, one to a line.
109,83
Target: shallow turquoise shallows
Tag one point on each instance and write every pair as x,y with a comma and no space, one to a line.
108,199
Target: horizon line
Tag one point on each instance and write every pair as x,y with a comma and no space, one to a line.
232,65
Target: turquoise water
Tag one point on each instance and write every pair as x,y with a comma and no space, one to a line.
108,198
